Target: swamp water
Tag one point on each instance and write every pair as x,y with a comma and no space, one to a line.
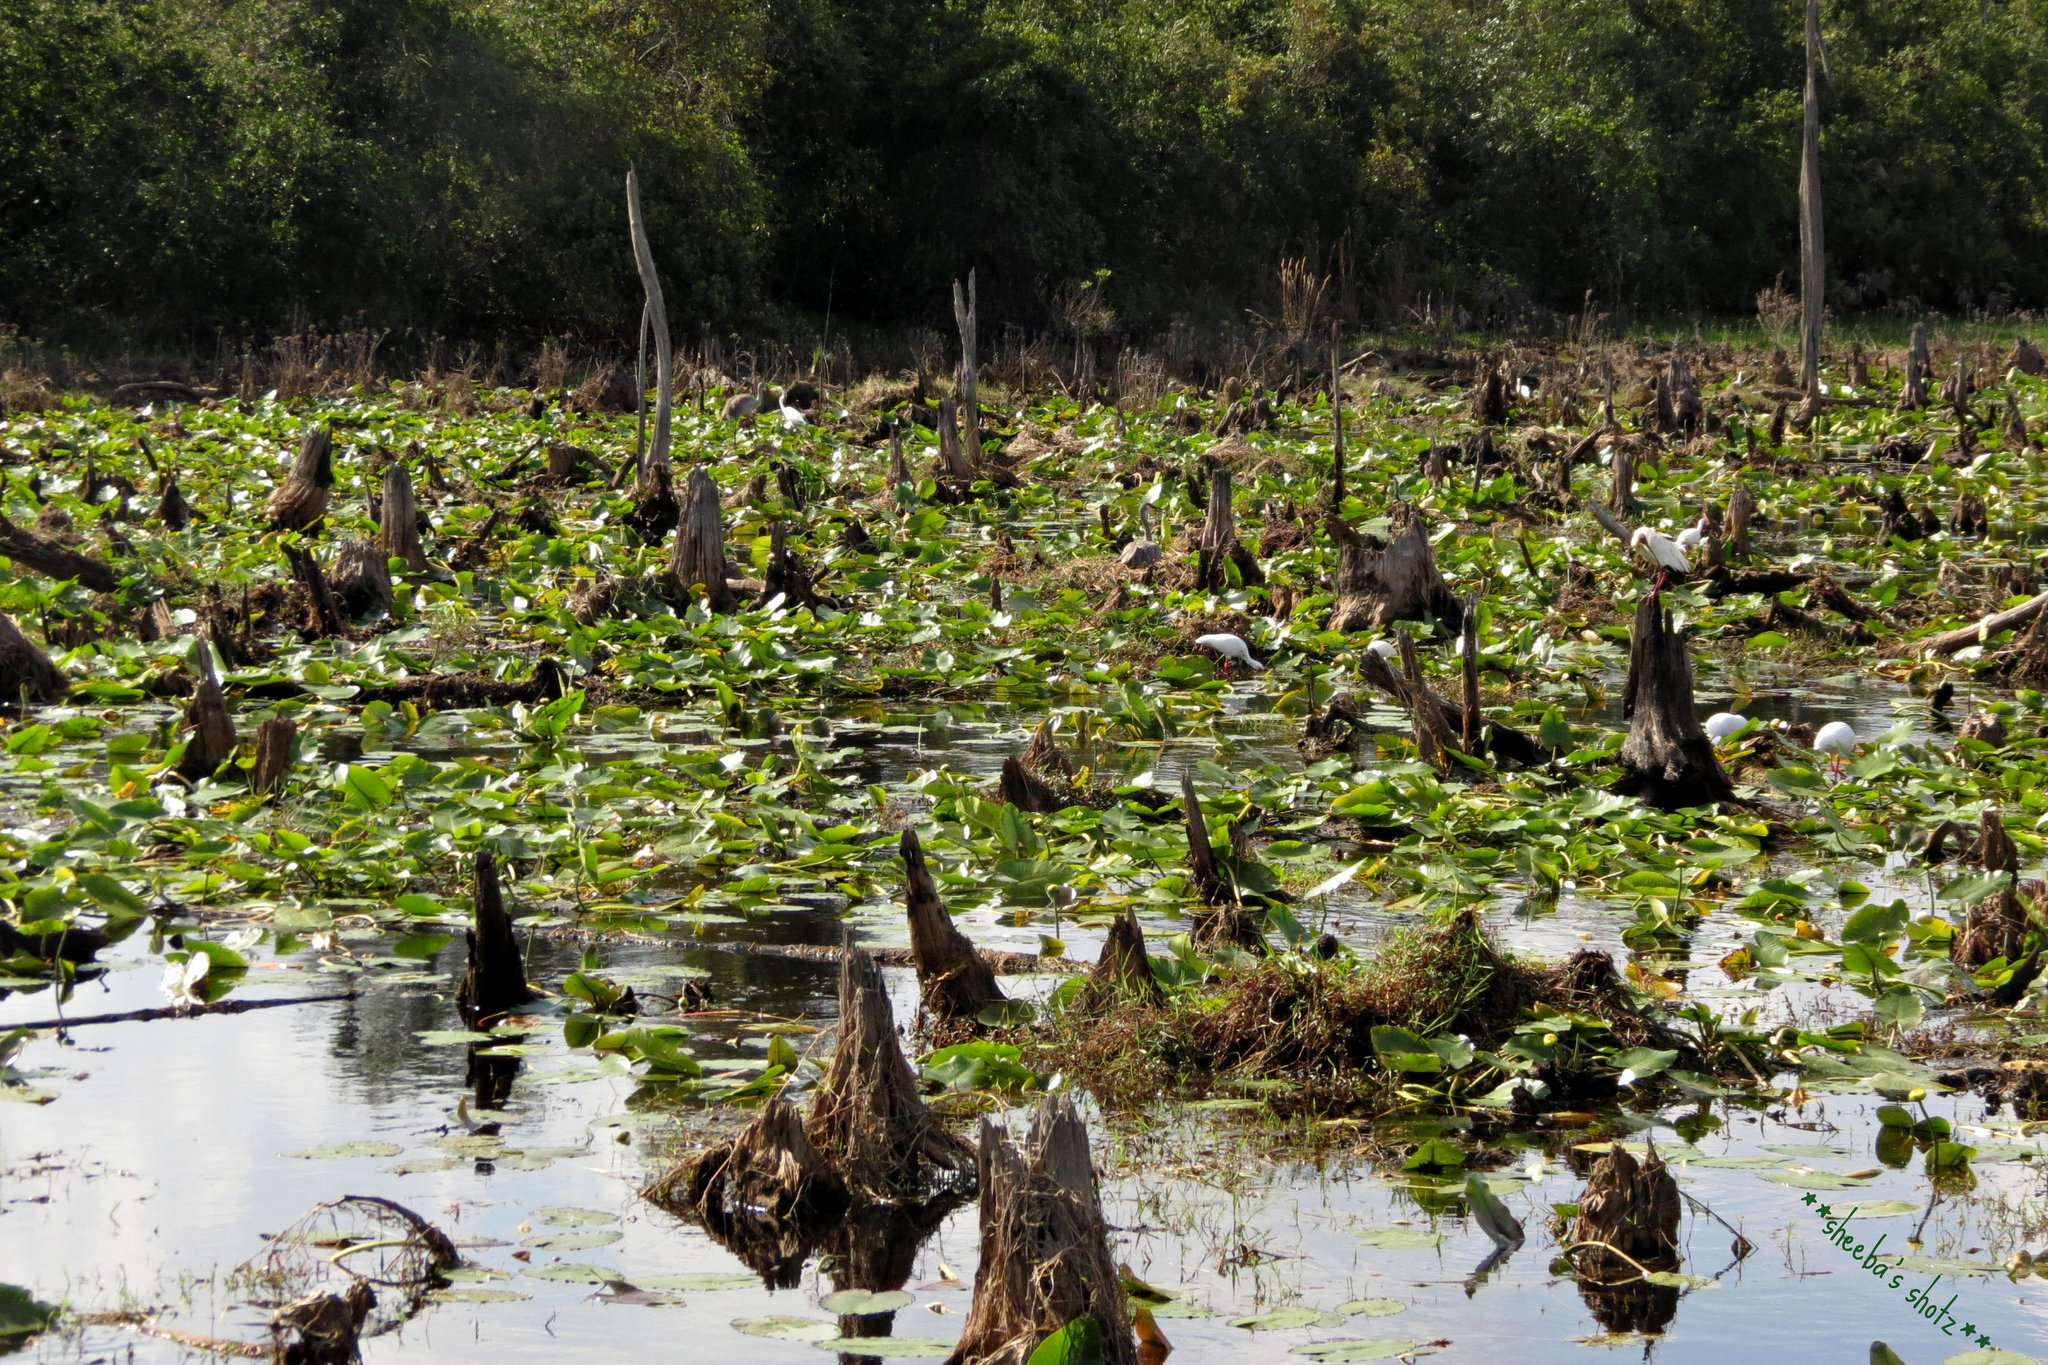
173,1147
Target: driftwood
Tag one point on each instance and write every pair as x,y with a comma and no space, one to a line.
698,559
398,520
867,1118
210,730
1219,544
1667,759
1045,1258
26,673
954,981
1123,973
40,554
276,739
495,984
361,581
300,501
1379,582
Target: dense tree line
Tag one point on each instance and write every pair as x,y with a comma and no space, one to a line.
172,167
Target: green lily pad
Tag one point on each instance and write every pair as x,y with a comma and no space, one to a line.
1942,1265
474,1294
784,1327
1353,1350
20,1314
1400,1239
1287,1319
1182,1308
860,1302
1371,1308
449,1037
1995,1355
569,1216
1805,1149
1811,1180
336,1151
887,1347
572,1241
569,1272
701,1283
1886,1208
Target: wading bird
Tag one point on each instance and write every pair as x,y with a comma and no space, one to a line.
1144,552
1837,739
1692,537
1723,726
743,405
792,417
1385,649
1231,648
1662,551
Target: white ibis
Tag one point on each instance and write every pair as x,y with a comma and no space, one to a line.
1384,648
743,405
1230,647
1144,552
1662,551
792,416
1723,726
1837,739
1692,537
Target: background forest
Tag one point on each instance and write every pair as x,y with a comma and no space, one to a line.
174,168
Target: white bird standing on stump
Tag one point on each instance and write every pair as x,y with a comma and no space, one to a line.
1723,726
1837,739
1230,647
1662,551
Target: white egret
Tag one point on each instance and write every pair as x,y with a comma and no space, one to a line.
1837,739
1692,537
1230,647
792,417
1723,726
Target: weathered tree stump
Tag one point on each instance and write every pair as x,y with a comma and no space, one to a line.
1123,973
1628,1207
276,739
398,520
171,508
300,501
762,1192
1045,1258
1741,509
1489,396
361,581
1996,926
954,980
1219,544
1919,365
26,673
1018,787
1667,759
867,1118
698,559
1224,920
2027,358
322,1328
787,573
52,559
210,730
654,512
966,316
1379,582
324,617
495,984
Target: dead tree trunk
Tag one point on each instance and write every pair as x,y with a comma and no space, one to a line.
171,508
953,464
1919,365
398,520
1019,788
1741,508
27,675
276,738
324,618
1431,723
867,1118
1468,655
495,984
1996,926
40,554
745,1187
1627,1207
1123,973
657,321
1504,742
1045,1259
300,501
1812,258
362,579
210,730
698,560
1667,759
1219,543
1223,920
965,317
899,473
1379,582
954,980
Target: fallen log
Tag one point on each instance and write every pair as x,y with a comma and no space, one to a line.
1948,642
27,674
52,559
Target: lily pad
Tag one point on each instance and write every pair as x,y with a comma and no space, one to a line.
1811,1180
569,1272
784,1327
1371,1308
477,1294
1182,1308
1886,1208
572,1241
1995,1355
1354,1350
700,1283
20,1314
861,1302
887,1347
1287,1319
569,1216
336,1151
1400,1239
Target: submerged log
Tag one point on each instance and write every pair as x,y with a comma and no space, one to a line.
42,555
210,730
954,981
398,520
26,673
867,1118
698,560
1380,582
276,739
1219,544
1045,1259
300,501
1667,758
361,581
495,984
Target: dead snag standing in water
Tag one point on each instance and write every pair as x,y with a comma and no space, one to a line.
1224,920
1998,925
276,739
954,981
1219,543
1381,581
868,1119
1627,1227
698,560
758,1188
300,501
1045,1259
321,1329
323,619
1667,759
398,520
26,673
210,740
361,581
1123,974
1019,788
495,984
